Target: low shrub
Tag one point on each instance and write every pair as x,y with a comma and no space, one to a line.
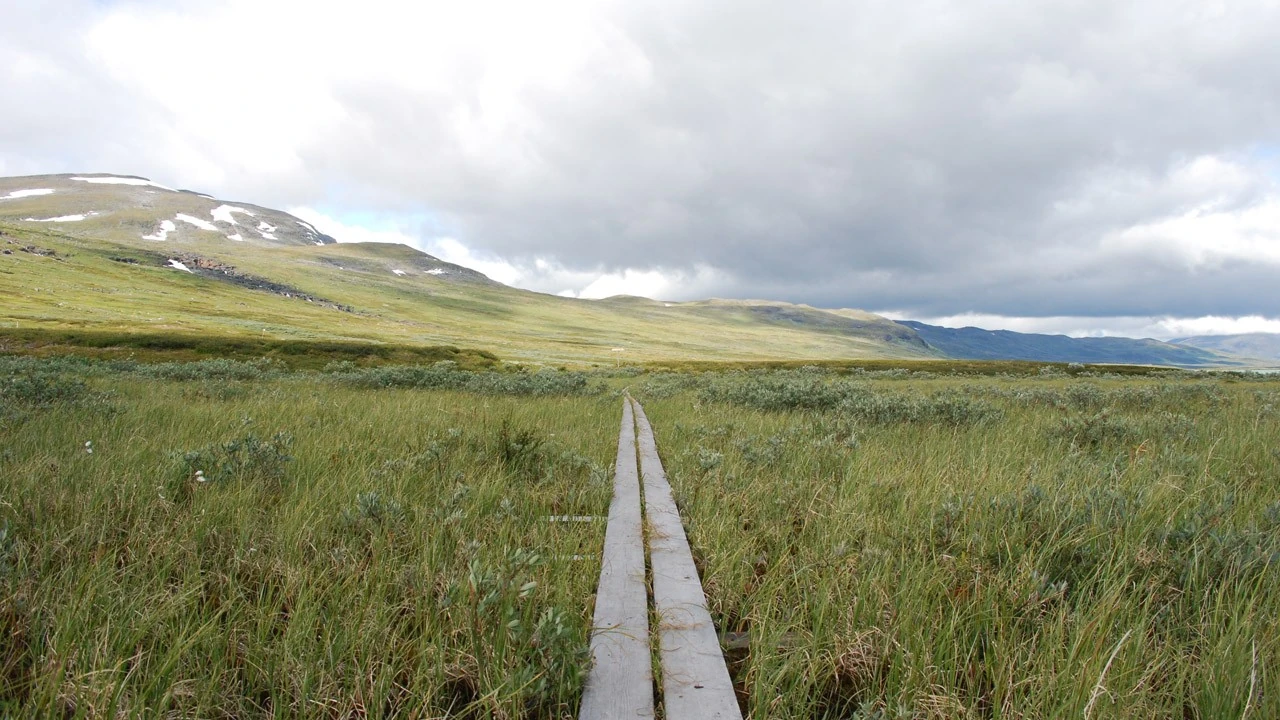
373,512
220,369
1095,430
941,408
41,389
447,376
792,390
668,384
522,450
247,458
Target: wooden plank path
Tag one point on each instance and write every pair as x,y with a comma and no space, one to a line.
620,684
695,680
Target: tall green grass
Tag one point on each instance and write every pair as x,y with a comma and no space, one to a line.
294,547
1010,548
185,348
237,539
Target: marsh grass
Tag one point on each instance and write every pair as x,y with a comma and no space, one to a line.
968,547
188,348
239,539
299,549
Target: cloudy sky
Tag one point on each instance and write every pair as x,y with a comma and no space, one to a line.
1084,166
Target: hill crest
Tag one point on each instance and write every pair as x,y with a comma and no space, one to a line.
132,209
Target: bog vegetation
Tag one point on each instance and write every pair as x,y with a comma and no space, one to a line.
241,539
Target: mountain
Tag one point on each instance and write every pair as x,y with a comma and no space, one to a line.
973,343
1262,346
131,209
101,259
117,261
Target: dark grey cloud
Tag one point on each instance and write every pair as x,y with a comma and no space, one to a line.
1001,158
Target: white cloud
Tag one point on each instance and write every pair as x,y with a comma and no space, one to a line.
1213,325
656,284
1159,328
1207,236
447,249
450,250
644,283
297,64
540,274
1073,159
349,232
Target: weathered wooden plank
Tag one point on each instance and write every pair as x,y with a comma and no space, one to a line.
695,680
620,684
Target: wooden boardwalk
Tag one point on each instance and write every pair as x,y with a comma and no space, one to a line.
621,681
695,680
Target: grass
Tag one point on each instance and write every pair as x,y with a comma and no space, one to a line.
246,540
293,547
1010,548
913,367
170,347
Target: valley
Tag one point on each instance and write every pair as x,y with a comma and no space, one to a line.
250,471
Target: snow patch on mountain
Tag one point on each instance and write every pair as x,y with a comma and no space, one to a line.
226,214
398,272
116,180
437,271
64,218
166,227
202,224
266,230
34,192
176,265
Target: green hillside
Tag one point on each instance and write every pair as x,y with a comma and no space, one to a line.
81,280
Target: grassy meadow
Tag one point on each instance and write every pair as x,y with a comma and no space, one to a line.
239,544
238,539
913,545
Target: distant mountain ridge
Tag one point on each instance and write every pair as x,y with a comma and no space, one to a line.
971,343
1262,346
